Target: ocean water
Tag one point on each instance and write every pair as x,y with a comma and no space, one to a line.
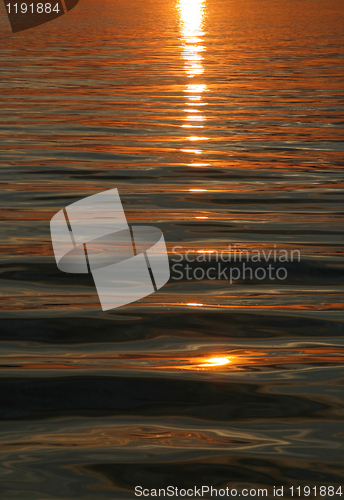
219,122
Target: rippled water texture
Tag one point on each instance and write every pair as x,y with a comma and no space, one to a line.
219,122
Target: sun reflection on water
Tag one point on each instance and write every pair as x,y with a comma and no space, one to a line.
215,362
192,14
191,18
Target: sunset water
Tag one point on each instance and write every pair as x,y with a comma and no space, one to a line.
220,122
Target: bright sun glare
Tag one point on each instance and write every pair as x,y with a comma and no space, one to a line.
216,362
191,14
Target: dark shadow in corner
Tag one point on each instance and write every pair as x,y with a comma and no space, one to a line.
51,9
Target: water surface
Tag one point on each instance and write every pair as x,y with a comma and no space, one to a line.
219,122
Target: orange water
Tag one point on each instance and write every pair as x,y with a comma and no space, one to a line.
219,122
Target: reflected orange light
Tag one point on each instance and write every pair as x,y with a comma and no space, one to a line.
202,217
196,138
191,20
191,17
216,362
196,89
196,118
198,190
195,151
194,304
198,164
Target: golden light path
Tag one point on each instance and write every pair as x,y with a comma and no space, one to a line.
215,362
191,16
